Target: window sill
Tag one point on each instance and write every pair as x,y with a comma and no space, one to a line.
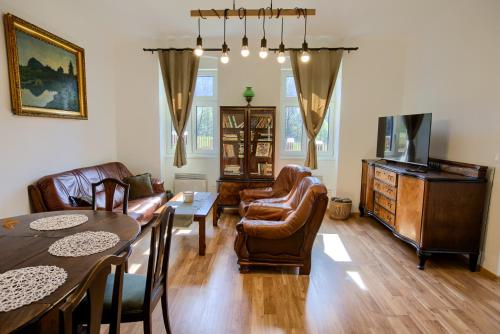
195,156
302,157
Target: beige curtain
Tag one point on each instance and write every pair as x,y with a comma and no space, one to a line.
179,70
314,82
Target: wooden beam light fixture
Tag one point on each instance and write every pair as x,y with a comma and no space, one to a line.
261,13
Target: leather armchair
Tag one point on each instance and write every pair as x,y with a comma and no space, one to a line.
287,239
287,180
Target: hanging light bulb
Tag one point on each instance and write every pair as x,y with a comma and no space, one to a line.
245,52
224,58
263,42
305,56
199,47
281,52
263,48
198,51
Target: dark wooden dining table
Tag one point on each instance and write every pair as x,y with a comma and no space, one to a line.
21,246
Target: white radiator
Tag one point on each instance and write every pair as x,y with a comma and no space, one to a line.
190,182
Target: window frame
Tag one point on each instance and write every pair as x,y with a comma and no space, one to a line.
198,101
331,118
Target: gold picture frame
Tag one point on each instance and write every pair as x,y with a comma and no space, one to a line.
46,72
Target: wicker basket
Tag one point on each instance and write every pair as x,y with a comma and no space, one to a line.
340,208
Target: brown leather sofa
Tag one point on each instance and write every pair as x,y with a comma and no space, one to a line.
287,180
52,192
282,234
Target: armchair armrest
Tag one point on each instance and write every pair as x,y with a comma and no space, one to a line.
266,229
264,212
158,185
253,194
35,199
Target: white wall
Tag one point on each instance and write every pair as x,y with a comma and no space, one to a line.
449,67
32,147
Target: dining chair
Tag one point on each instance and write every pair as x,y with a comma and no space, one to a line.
85,305
110,185
142,293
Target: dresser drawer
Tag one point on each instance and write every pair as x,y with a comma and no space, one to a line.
383,214
385,202
386,176
385,189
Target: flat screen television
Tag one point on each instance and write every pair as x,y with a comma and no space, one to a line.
405,138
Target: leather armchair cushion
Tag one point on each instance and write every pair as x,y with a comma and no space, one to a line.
252,194
261,211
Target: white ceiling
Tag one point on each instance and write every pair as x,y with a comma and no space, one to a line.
158,20
167,19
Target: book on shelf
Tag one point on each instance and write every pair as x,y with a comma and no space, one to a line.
232,169
229,151
263,150
229,121
230,137
262,122
265,169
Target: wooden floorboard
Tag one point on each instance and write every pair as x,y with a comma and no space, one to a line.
363,280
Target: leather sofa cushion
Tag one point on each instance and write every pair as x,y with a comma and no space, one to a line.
140,186
57,188
143,209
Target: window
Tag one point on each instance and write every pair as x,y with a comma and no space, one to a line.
293,134
200,133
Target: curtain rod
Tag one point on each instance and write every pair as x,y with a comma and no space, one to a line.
319,49
152,50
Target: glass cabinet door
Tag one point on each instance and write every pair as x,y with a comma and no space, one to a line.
261,143
233,125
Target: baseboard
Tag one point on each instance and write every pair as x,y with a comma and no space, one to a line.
488,274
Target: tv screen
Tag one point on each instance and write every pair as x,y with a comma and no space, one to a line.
404,138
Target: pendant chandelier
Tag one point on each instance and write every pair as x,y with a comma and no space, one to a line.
261,13
265,14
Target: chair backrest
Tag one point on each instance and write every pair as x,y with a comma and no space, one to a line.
299,192
110,185
92,288
289,178
156,281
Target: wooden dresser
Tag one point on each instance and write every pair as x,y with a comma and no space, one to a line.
438,211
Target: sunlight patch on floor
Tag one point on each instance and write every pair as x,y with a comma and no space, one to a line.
182,232
334,248
356,277
132,269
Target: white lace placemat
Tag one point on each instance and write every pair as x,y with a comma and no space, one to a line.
84,243
58,222
24,286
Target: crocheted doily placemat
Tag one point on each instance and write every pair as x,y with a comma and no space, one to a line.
83,243
20,287
60,222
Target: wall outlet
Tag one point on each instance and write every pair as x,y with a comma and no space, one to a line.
497,157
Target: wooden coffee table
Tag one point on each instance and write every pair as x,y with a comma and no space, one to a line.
209,202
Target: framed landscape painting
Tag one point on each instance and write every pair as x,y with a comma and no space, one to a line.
47,73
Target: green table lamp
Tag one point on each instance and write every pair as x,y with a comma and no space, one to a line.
248,94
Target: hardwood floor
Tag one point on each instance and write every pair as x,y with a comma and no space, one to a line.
363,280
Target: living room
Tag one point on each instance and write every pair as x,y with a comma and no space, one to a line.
401,58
